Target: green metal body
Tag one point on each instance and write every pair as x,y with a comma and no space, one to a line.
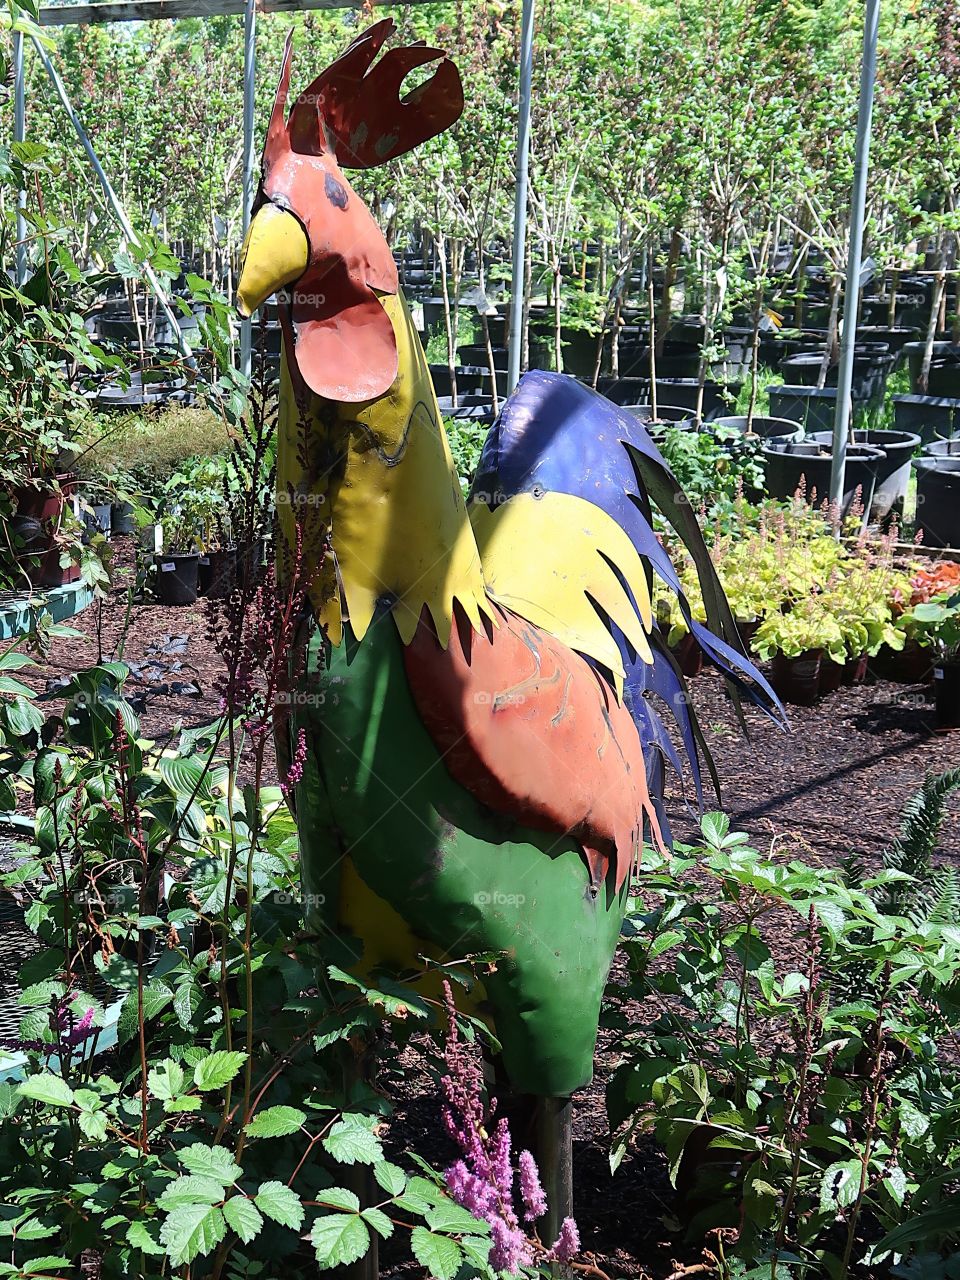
378,814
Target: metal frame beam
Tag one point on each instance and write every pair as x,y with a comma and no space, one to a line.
851,301
158,10
112,198
520,203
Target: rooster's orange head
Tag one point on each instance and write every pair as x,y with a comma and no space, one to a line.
311,235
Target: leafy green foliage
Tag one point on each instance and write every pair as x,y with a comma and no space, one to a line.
807,1103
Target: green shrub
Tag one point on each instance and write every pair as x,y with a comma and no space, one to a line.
150,445
800,1093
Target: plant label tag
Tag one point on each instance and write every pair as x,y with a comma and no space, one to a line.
168,567
157,539
939,673
204,559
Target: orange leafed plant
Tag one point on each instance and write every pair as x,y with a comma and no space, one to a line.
935,581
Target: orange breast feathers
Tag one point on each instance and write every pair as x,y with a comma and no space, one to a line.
532,731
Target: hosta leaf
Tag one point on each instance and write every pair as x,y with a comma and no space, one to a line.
212,1162
192,1229
243,1217
339,1239
276,1122
217,1069
439,1255
351,1141
280,1203
48,1088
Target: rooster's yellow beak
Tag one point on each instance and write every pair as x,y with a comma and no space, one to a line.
275,253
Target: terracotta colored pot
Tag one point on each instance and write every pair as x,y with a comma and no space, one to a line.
37,522
797,680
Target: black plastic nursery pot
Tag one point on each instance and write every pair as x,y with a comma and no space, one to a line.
944,377
689,656
767,428
938,497
797,680
895,338
685,392
217,573
946,692
931,417
914,354
815,409
667,416
942,449
432,313
893,469
477,407
627,390
177,577
792,465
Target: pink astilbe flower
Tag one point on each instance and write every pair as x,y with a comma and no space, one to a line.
482,1180
567,1244
511,1249
534,1199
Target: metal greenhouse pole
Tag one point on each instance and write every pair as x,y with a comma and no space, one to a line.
112,197
249,93
19,135
858,200
520,203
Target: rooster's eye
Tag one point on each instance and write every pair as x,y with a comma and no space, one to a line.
335,191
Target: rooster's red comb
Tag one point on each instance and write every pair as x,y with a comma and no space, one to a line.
354,110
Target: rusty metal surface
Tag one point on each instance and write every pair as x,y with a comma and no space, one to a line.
532,731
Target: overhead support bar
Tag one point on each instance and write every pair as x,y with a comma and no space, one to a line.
851,301
112,198
61,15
520,200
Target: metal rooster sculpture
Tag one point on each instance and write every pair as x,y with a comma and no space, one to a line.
483,684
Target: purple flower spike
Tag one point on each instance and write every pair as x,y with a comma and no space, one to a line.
510,1250
567,1244
534,1199
71,1036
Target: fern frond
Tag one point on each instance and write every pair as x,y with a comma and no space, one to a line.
913,848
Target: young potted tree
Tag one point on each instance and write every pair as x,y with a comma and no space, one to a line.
178,564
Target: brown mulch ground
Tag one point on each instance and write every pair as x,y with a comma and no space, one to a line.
832,787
